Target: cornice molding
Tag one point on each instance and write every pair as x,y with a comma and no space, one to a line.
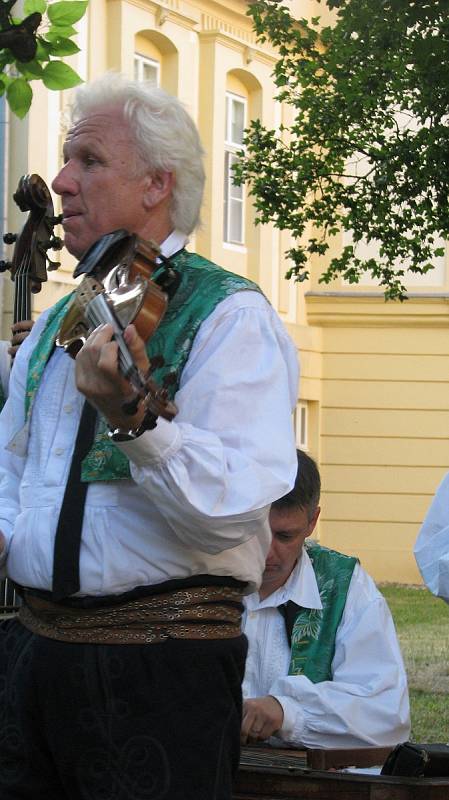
216,28
370,310
170,10
213,23
250,53
207,26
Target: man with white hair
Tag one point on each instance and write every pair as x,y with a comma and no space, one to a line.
131,543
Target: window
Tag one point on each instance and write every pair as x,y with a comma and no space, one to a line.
145,69
233,227
301,424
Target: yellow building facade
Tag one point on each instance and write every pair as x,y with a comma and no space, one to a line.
374,396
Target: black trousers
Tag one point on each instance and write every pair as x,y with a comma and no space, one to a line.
118,722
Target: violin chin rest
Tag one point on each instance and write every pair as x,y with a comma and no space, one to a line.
102,251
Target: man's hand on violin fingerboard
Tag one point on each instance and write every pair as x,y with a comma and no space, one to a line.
99,379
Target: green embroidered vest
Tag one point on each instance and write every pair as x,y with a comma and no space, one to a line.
314,630
203,285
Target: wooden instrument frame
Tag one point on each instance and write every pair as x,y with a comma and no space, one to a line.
276,777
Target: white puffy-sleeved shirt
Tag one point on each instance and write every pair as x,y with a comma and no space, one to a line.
201,486
366,702
432,545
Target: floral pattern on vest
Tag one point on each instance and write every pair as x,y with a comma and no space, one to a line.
314,630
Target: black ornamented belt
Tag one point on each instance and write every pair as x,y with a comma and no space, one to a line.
201,612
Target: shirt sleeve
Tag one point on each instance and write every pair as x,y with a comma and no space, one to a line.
366,703
230,451
432,545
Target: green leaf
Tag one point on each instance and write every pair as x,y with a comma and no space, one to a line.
2,87
19,95
57,75
67,12
57,31
43,50
62,47
30,6
6,80
31,70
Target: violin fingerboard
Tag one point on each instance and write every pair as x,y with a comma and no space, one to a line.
98,312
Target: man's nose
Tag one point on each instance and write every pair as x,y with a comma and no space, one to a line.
271,555
65,181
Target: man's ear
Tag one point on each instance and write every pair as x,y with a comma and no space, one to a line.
314,520
157,188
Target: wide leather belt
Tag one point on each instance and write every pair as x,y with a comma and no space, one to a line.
205,612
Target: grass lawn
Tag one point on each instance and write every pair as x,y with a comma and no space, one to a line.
422,623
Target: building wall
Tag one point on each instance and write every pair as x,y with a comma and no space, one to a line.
384,422
374,388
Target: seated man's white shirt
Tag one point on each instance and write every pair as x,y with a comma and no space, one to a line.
201,486
432,544
366,703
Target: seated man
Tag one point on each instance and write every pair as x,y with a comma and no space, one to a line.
324,668
432,544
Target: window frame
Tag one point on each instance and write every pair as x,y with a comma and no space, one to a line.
231,147
301,423
140,61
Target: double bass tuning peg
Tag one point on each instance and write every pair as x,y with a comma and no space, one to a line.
10,238
55,243
5,265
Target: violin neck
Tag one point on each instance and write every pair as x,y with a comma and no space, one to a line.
98,312
22,298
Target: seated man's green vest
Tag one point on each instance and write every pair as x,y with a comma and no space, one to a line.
314,630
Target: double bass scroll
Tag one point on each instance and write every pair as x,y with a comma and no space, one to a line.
30,260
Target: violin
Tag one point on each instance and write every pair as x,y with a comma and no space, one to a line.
125,279
30,260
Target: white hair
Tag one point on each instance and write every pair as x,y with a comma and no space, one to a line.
166,137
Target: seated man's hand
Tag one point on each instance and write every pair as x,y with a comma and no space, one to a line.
99,379
262,717
20,331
